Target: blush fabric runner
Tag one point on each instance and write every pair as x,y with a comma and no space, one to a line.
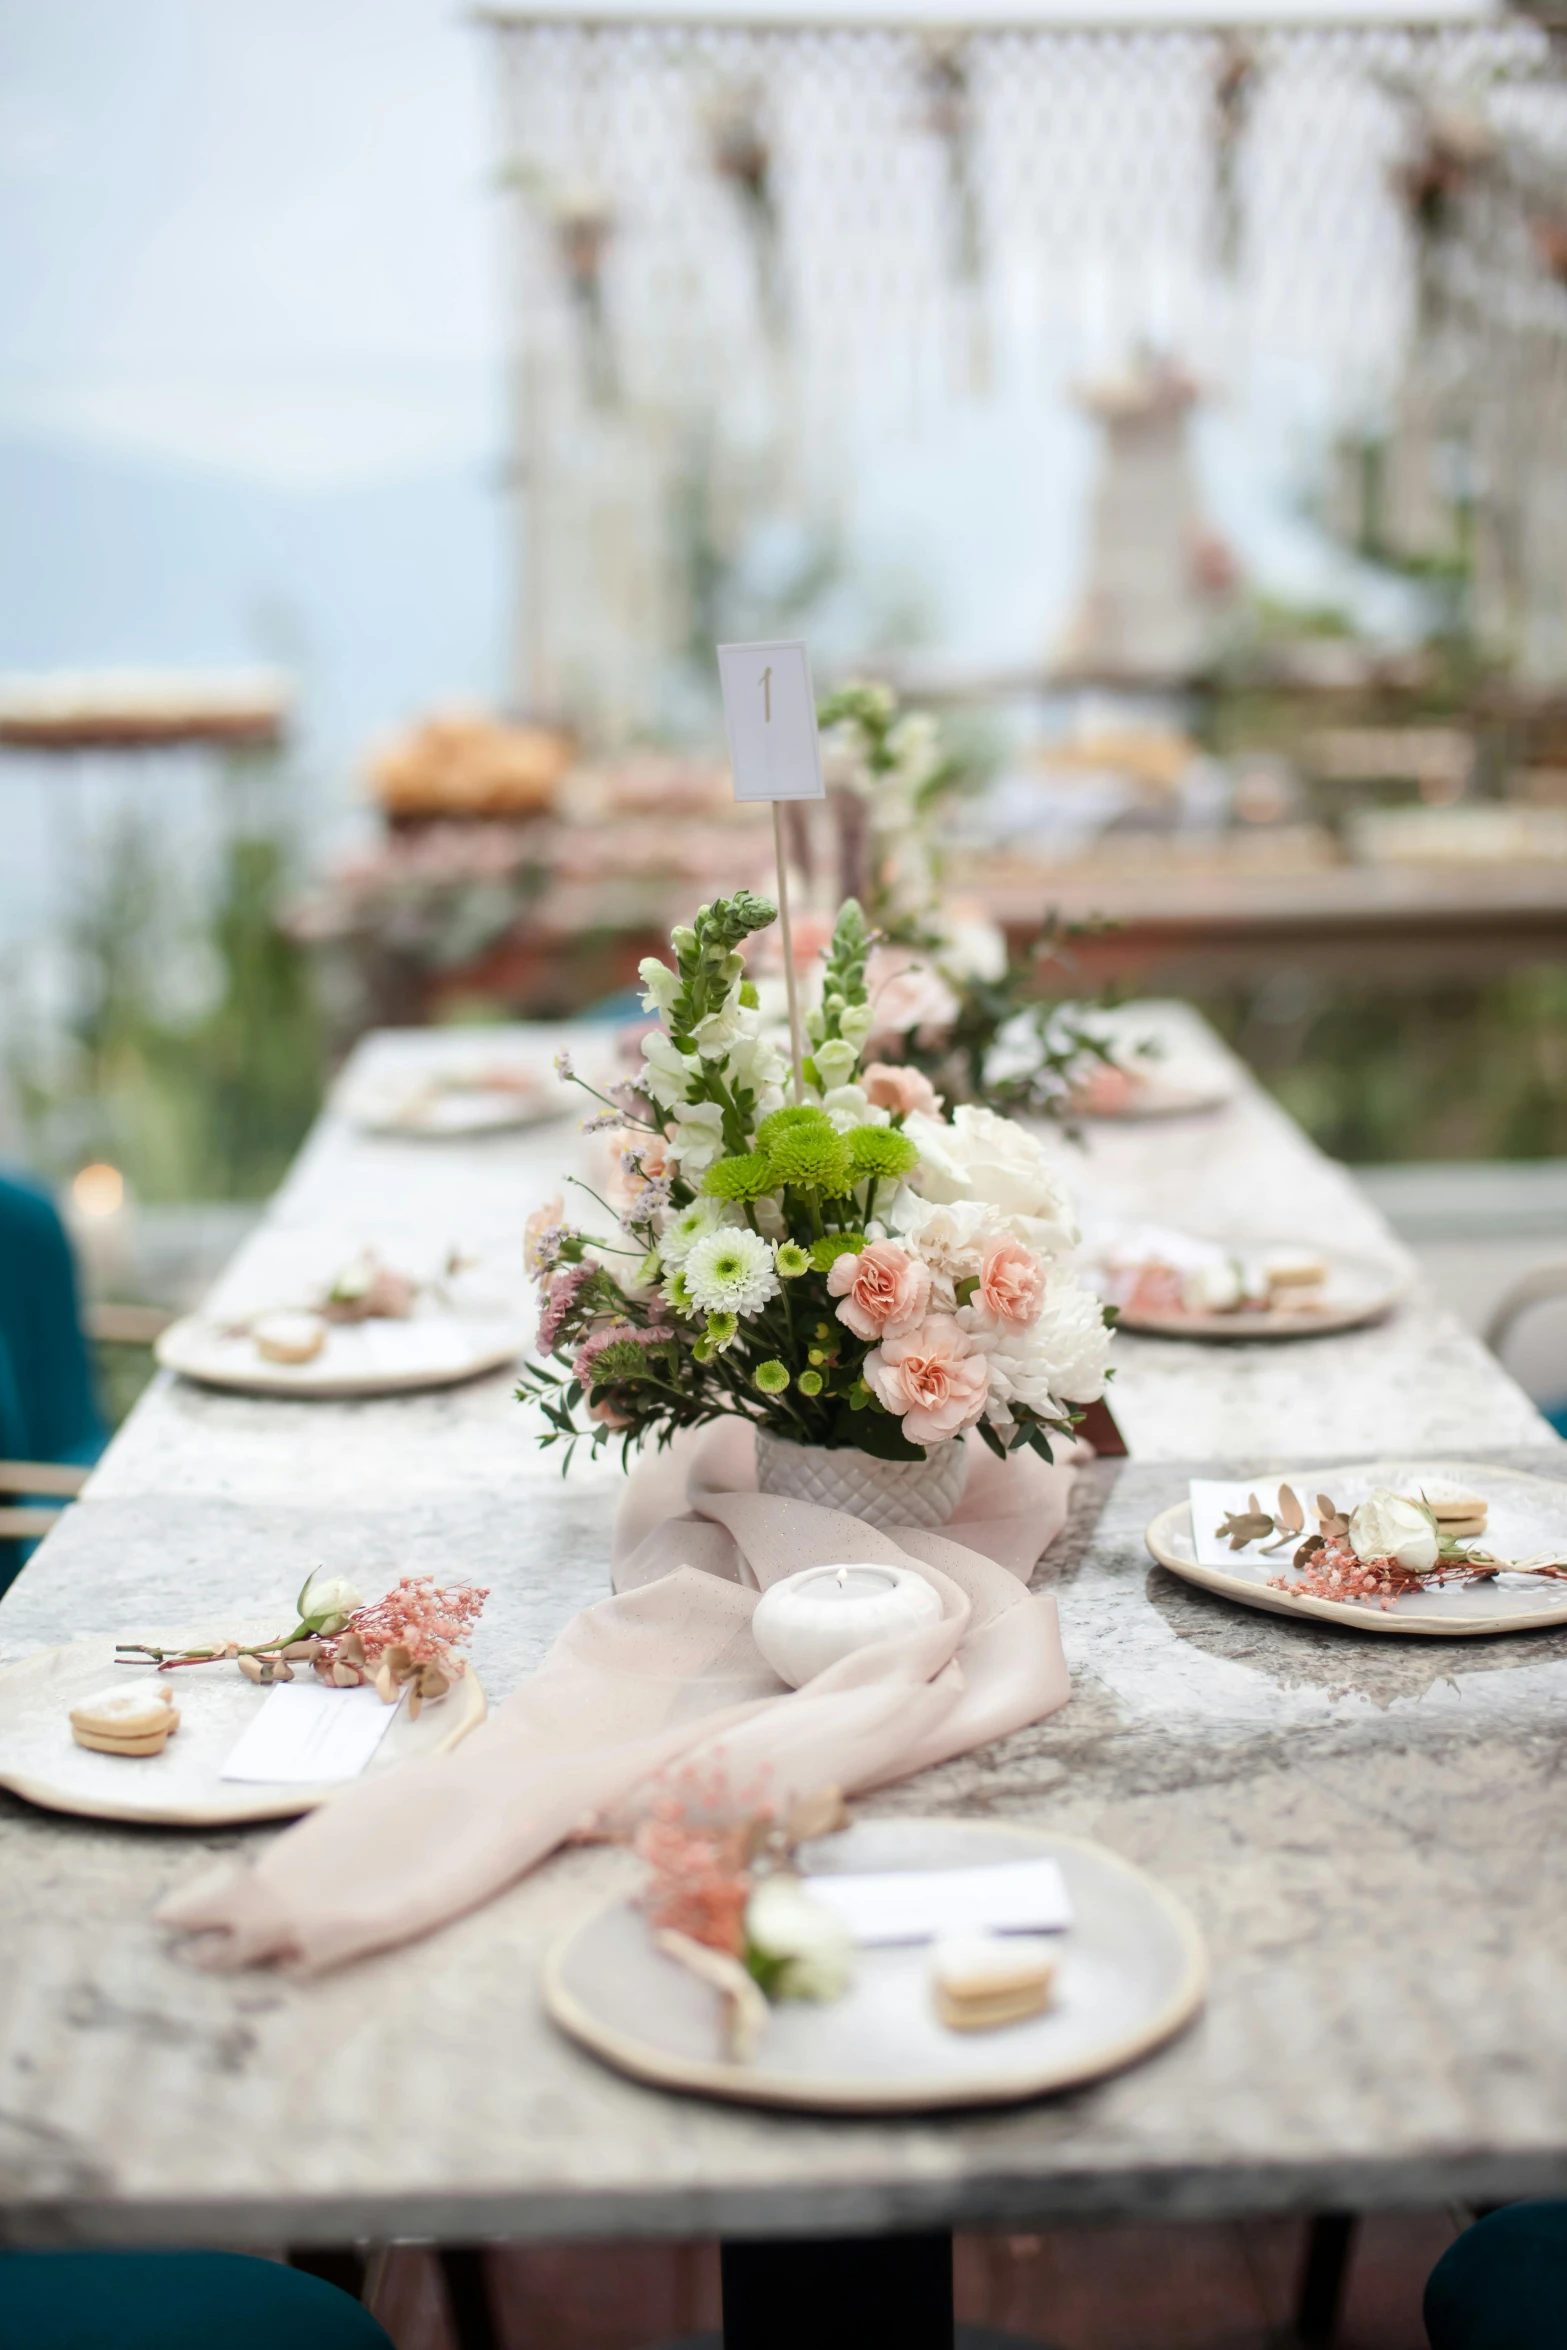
662,1675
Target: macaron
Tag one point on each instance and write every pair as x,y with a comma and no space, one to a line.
288,1337
982,1981
136,1720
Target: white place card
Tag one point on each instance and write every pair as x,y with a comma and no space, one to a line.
770,717
307,1734
925,1905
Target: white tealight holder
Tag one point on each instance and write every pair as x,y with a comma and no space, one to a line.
809,1620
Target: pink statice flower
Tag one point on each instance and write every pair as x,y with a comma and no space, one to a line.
884,1291
900,1089
935,1380
564,1290
426,1618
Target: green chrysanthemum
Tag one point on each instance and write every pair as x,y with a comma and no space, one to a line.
722,1329
624,1360
877,1151
810,1383
825,1252
771,1377
797,1118
744,1178
791,1260
812,1158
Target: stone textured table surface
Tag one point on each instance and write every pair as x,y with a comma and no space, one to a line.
1366,1829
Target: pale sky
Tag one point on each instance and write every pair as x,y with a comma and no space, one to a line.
254,238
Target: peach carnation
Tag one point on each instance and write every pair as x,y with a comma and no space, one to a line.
935,1380
884,1290
900,1089
1011,1283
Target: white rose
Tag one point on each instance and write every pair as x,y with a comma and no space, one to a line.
660,985
1387,1526
327,1602
805,1952
1060,1358
983,1157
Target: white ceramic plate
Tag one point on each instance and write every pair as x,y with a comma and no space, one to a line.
1357,1290
1131,1972
1528,1515
182,1786
359,1358
449,1107
1160,1090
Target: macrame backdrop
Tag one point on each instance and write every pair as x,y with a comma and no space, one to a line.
745,253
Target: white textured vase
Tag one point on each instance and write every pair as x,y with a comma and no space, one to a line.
883,1493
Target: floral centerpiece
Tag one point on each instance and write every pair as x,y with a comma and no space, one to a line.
854,1273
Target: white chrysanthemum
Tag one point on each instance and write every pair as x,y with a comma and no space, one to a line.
686,1226
1060,1358
987,1159
731,1272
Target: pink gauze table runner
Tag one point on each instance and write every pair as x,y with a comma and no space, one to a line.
665,1673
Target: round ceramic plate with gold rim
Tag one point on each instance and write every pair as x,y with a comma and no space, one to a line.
1356,1290
377,1357
1527,1515
1131,1972
182,1787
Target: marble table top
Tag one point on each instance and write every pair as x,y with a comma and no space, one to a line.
1363,1827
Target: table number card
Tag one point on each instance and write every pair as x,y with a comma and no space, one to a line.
770,716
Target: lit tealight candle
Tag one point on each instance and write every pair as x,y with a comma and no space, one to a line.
808,1621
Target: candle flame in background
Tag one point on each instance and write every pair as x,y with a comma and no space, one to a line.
99,1190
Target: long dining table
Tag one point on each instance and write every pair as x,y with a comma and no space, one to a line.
1367,1829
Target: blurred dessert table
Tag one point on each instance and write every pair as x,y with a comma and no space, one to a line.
1358,1823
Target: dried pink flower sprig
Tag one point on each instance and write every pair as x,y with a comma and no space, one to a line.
409,1638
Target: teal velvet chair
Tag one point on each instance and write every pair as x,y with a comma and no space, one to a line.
174,2301
1503,2285
48,1412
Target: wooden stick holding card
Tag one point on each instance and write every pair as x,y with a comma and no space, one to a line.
774,754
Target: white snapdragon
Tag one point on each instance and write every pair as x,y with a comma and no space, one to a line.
849,1106
660,985
698,1138
718,1034
855,1023
835,1061
667,1071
